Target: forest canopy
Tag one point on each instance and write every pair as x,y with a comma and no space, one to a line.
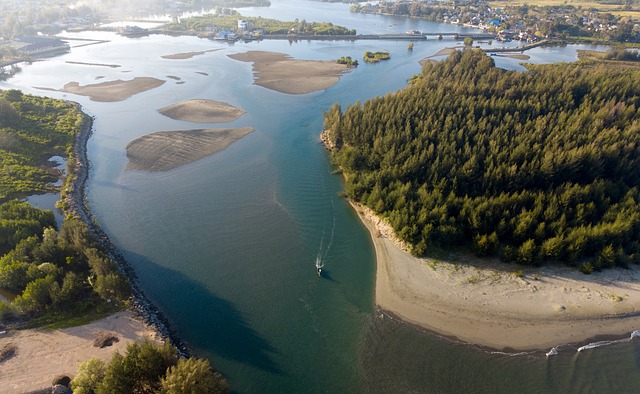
534,166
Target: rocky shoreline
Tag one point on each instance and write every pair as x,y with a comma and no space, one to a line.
77,205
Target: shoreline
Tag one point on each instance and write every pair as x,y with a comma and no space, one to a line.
30,368
492,308
78,205
497,306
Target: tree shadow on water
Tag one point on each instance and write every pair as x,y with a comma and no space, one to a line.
204,320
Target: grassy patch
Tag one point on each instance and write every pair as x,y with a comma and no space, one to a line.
72,317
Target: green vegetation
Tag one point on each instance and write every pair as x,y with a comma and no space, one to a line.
375,57
50,271
623,54
227,19
468,41
530,166
147,368
32,129
348,61
51,277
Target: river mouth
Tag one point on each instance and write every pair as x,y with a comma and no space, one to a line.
226,245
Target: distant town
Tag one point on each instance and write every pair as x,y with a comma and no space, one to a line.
28,29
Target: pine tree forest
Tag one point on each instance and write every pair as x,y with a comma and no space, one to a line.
534,166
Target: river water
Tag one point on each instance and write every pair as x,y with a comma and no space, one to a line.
226,245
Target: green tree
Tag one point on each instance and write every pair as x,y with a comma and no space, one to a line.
89,376
468,41
193,376
139,370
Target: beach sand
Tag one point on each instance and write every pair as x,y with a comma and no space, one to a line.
42,355
489,303
279,72
165,150
110,91
202,111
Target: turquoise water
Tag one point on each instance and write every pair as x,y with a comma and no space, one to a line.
226,245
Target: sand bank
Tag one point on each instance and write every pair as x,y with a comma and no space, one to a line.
42,355
187,55
279,72
202,111
517,56
165,150
490,304
117,90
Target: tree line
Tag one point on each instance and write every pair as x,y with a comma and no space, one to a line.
534,166
228,20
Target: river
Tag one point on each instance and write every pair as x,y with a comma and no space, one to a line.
226,245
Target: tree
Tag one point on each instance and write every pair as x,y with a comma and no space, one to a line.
468,41
193,376
112,286
90,375
140,370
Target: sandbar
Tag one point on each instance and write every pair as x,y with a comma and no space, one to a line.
110,91
202,111
518,56
443,52
279,72
187,55
42,355
164,150
492,304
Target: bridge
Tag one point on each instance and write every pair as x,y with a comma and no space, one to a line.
398,36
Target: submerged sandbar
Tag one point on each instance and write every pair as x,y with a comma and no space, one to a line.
117,90
279,72
202,111
165,150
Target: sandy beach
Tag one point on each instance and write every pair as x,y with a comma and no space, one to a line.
110,91
279,72
165,150
202,111
492,304
42,355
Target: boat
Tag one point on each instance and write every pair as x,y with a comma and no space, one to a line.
319,266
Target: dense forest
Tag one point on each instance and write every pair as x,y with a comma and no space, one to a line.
228,20
534,166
